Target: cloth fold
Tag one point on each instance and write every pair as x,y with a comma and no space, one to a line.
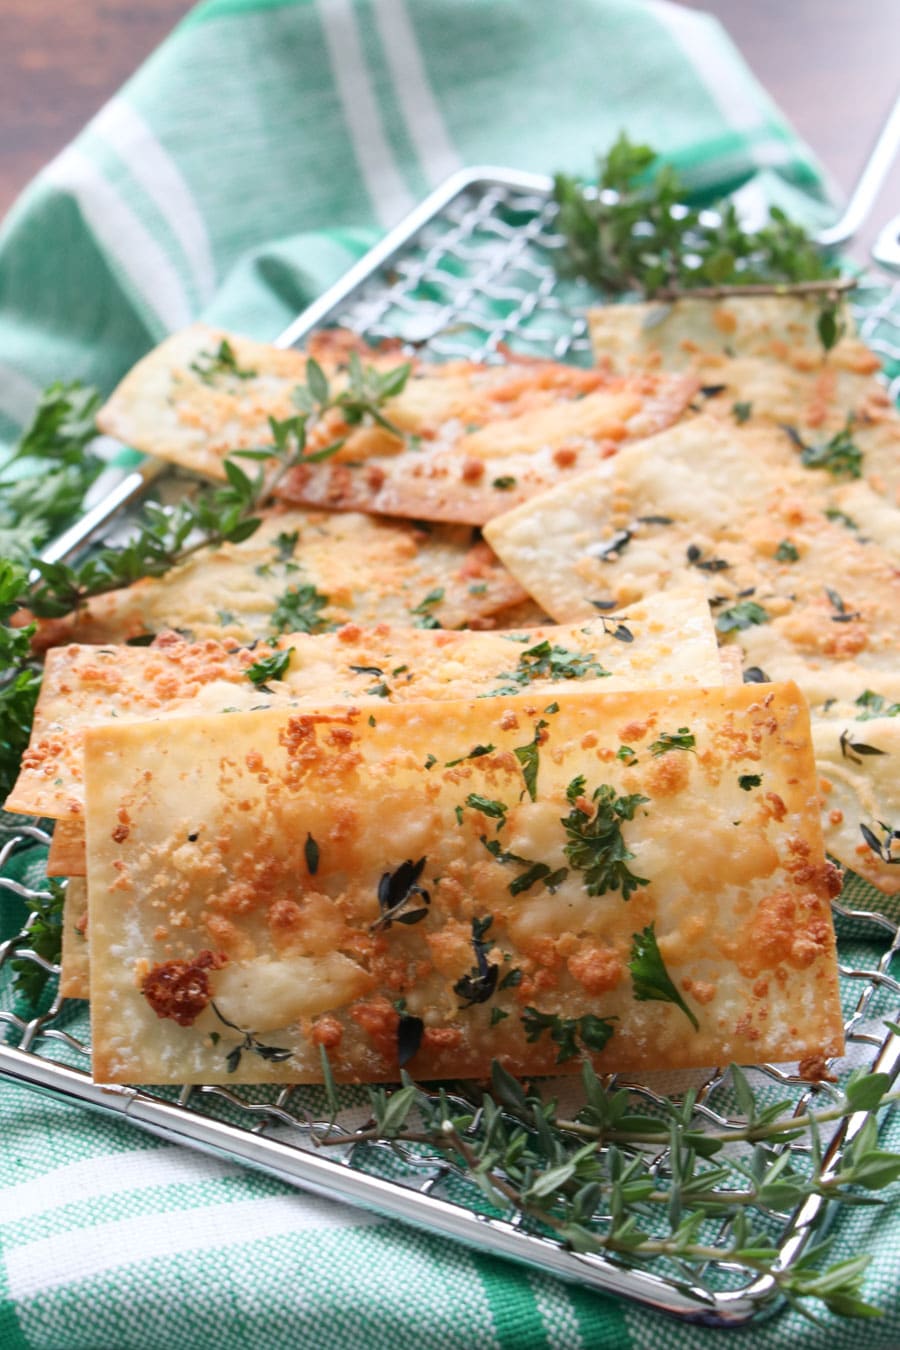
260,150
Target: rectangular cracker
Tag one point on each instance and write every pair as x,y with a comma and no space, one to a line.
74,976
470,440
66,856
763,353
701,502
352,568
660,639
857,762
243,859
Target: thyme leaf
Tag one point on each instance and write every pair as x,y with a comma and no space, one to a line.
589,1181
742,615
481,982
223,361
399,890
278,1054
634,233
840,455
882,848
852,750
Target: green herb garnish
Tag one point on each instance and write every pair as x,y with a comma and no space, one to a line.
529,758
535,871
854,750
650,979
874,705
635,234
251,1044
742,615
44,939
20,678
481,982
546,662
298,610
840,455
786,552
223,361
476,752
682,739
841,518
269,667
424,609
488,807
595,843
593,1032
400,897
45,477
367,391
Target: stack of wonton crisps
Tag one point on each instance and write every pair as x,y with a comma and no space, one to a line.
360,795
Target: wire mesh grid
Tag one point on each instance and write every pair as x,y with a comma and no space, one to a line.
471,273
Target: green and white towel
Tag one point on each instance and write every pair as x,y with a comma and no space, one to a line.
247,164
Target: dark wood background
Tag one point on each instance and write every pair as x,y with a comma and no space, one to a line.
832,65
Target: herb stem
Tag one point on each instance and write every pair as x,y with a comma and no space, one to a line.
752,1134
828,286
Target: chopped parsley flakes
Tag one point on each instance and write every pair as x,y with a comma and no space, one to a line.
595,843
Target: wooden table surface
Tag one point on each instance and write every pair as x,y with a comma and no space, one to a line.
832,65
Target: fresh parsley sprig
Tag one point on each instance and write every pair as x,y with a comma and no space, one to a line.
20,678
635,234
651,981
44,479
44,932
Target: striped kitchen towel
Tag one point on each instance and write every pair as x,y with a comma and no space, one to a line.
247,164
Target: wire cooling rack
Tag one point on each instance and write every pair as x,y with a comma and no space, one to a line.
469,273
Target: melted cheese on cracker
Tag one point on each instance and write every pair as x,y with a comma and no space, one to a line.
391,868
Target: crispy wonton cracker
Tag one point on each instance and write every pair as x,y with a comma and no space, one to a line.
460,882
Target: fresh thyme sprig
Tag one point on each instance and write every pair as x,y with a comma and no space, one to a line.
58,438
226,514
634,233
366,392
590,1183
250,1043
